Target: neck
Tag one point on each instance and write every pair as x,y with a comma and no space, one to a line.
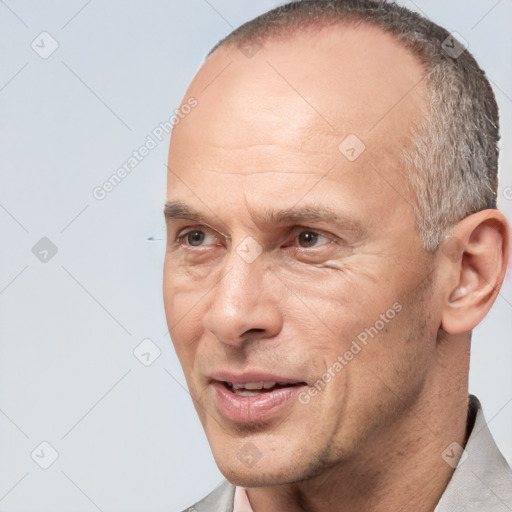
402,470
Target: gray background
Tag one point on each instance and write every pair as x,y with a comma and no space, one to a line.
126,434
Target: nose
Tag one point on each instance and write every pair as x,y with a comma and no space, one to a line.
244,303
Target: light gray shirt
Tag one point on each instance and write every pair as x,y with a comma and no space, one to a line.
481,482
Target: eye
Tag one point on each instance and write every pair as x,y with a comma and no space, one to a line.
195,238
307,238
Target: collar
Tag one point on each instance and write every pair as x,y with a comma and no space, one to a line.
482,479
241,501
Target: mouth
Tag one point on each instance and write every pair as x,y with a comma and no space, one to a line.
257,388
250,398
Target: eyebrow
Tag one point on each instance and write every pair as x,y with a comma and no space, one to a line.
179,210
293,215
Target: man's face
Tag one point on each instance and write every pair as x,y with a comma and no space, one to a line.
300,254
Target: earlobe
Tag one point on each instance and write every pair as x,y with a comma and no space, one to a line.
474,259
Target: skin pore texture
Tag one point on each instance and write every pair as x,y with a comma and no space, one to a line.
263,139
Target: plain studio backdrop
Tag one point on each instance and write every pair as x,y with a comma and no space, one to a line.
94,410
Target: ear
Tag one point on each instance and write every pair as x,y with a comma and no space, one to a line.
474,259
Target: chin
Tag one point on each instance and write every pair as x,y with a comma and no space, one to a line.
268,470
257,477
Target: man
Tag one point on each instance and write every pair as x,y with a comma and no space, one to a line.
332,242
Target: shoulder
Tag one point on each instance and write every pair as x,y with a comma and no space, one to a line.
482,479
219,500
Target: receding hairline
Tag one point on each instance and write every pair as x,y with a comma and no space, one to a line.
305,28
302,27
303,22
453,160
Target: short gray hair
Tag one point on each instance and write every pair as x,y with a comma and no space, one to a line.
452,161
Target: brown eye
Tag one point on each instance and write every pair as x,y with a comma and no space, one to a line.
308,238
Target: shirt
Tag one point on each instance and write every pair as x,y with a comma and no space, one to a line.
241,501
482,480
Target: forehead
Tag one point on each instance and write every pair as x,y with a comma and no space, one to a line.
296,105
337,78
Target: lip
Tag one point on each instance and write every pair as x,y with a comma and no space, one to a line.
248,409
252,376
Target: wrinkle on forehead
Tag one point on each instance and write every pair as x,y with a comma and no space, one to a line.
249,173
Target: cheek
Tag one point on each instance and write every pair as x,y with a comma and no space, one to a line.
338,303
391,368
184,310
359,331
182,297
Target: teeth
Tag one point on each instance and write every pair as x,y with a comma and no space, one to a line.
249,385
246,392
253,386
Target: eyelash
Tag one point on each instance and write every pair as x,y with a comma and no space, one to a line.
181,238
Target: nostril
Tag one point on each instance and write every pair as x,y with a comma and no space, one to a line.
254,331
